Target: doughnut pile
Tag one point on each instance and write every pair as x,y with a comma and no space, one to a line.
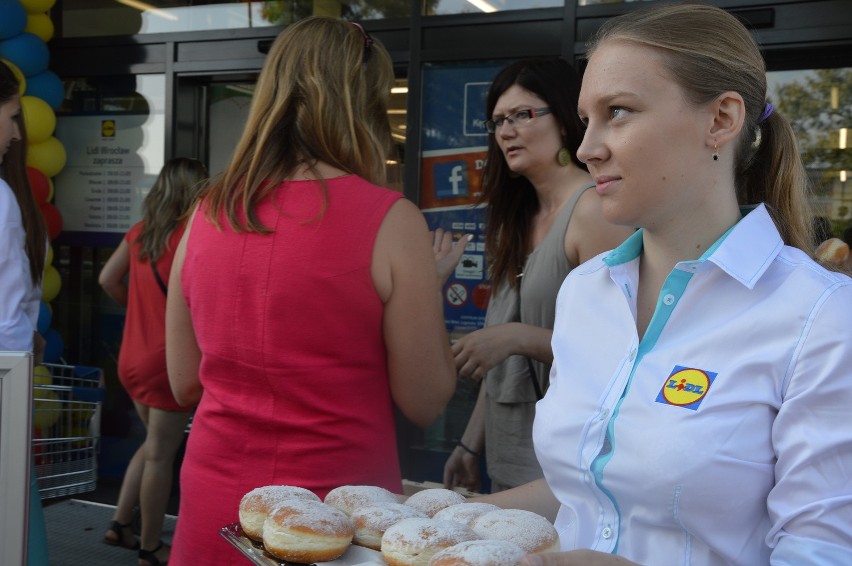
430,501
437,525
413,541
529,530
348,498
256,505
372,522
480,553
307,531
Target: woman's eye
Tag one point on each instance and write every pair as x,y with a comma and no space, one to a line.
523,115
617,112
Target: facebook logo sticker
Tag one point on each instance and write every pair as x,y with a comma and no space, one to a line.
451,179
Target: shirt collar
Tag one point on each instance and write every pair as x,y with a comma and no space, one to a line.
744,252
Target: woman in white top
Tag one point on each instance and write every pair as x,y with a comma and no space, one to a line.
24,246
698,393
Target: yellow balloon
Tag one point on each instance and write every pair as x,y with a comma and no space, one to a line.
48,156
40,25
46,409
49,258
19,75
42,376
39,119
36,6
50,284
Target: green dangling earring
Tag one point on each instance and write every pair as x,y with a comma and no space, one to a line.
563,157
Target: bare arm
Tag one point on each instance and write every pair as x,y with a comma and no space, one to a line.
478,352
463,468
420,366
534,496
183,356
111,277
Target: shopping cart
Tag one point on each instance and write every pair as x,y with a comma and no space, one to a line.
67,404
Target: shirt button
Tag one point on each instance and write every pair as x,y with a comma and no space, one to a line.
632,354
604,414
669,300
606,533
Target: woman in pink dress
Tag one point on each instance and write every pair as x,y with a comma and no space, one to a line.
304,304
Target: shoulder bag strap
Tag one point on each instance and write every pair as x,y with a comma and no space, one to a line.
159,279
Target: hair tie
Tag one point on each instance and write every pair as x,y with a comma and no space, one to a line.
767,110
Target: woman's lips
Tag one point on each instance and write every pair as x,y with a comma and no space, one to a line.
604,184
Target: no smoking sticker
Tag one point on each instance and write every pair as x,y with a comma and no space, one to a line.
456,294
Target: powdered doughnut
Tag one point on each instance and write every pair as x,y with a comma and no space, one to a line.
430,501
372,522
348,498
833,250
258,503
480,553
464,513
307,532
529,530
413,542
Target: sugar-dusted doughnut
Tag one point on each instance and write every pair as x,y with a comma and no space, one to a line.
430,501
480,553
307,532
529,530
465,513
348,498
258,503
372,522
833,250
413,541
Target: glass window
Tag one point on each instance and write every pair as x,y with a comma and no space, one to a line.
88,18
819,104
439,7
113,132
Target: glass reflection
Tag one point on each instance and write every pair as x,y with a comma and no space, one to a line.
87,18
819,105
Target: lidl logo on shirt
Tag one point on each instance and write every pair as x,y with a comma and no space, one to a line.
686,387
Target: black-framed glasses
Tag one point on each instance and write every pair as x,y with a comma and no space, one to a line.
515,119
368,41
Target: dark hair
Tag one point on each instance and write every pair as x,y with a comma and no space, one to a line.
177,187
512,200
708,51
15,174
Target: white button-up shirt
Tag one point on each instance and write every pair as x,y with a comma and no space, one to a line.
723,436
19,298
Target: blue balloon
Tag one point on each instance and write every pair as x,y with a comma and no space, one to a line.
28,51
45,317
48,87
13,18
53,346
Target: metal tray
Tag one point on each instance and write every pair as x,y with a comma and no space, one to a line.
233,533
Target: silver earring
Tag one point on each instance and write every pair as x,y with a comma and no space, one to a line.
715,152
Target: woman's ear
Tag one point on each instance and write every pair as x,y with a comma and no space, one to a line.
727,118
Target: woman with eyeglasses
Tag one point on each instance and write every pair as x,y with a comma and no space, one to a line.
304,304
542,221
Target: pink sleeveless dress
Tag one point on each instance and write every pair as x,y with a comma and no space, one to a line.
293,363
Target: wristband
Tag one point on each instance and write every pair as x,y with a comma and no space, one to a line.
468,450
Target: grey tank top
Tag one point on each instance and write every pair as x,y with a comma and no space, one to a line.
545,270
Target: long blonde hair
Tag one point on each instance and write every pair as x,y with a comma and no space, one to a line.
177,186
707,51
322,96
